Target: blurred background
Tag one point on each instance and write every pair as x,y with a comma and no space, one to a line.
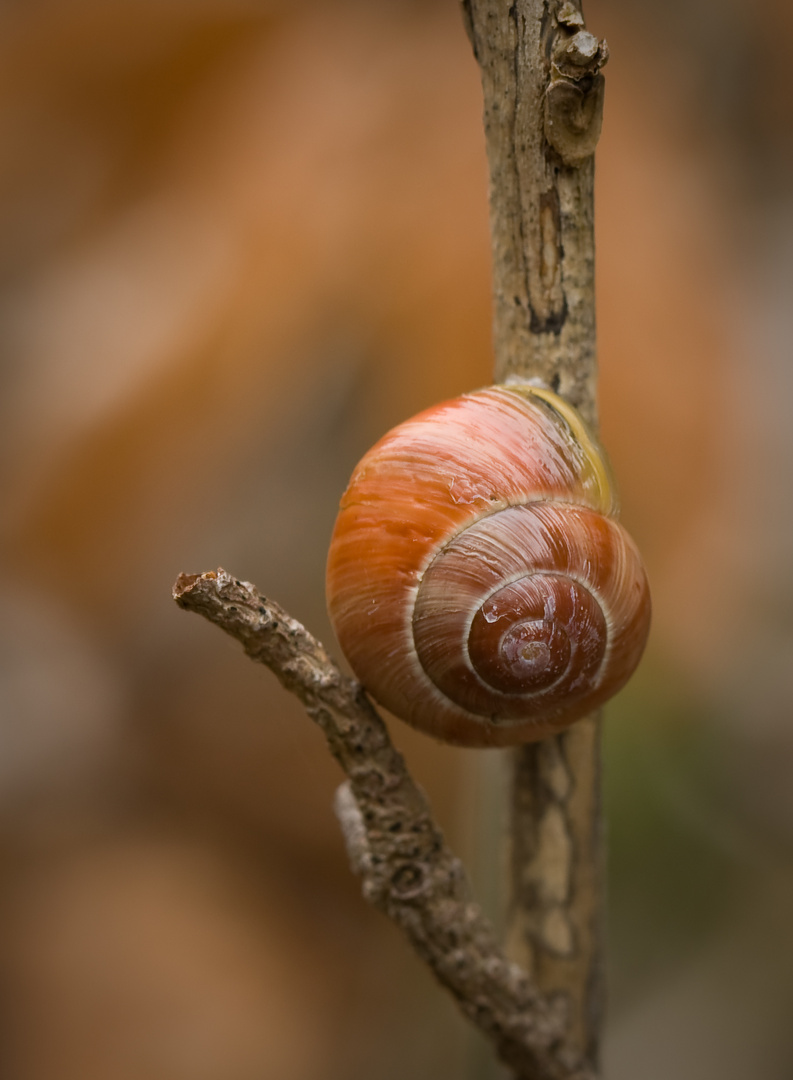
239,241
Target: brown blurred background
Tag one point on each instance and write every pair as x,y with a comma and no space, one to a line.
240,240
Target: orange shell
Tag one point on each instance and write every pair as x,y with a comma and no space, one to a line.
484,528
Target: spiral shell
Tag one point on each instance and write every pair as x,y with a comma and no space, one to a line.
477,580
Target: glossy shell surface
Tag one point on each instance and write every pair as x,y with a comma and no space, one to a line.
477,580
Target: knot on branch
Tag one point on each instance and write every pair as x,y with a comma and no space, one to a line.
409,881
574,97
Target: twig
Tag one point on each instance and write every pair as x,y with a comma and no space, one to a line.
543,100
393,842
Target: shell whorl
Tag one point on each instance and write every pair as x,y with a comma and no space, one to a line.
477,581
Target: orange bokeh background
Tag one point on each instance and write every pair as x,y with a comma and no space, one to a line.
241,241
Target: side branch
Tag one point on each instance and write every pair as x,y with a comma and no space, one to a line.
394,844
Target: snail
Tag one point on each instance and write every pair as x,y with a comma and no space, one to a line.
477,580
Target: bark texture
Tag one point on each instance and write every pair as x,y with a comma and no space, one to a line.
393,842
543,102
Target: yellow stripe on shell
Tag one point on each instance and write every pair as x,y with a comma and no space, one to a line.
595,471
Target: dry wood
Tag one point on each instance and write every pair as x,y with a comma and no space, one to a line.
393,842
543,101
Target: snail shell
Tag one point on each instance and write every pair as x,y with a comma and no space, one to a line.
477,580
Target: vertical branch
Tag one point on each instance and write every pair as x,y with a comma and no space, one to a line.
543,101
556,872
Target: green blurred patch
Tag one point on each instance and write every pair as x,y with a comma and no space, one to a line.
674,848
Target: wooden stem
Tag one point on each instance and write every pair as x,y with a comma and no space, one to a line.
543,102
393,842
